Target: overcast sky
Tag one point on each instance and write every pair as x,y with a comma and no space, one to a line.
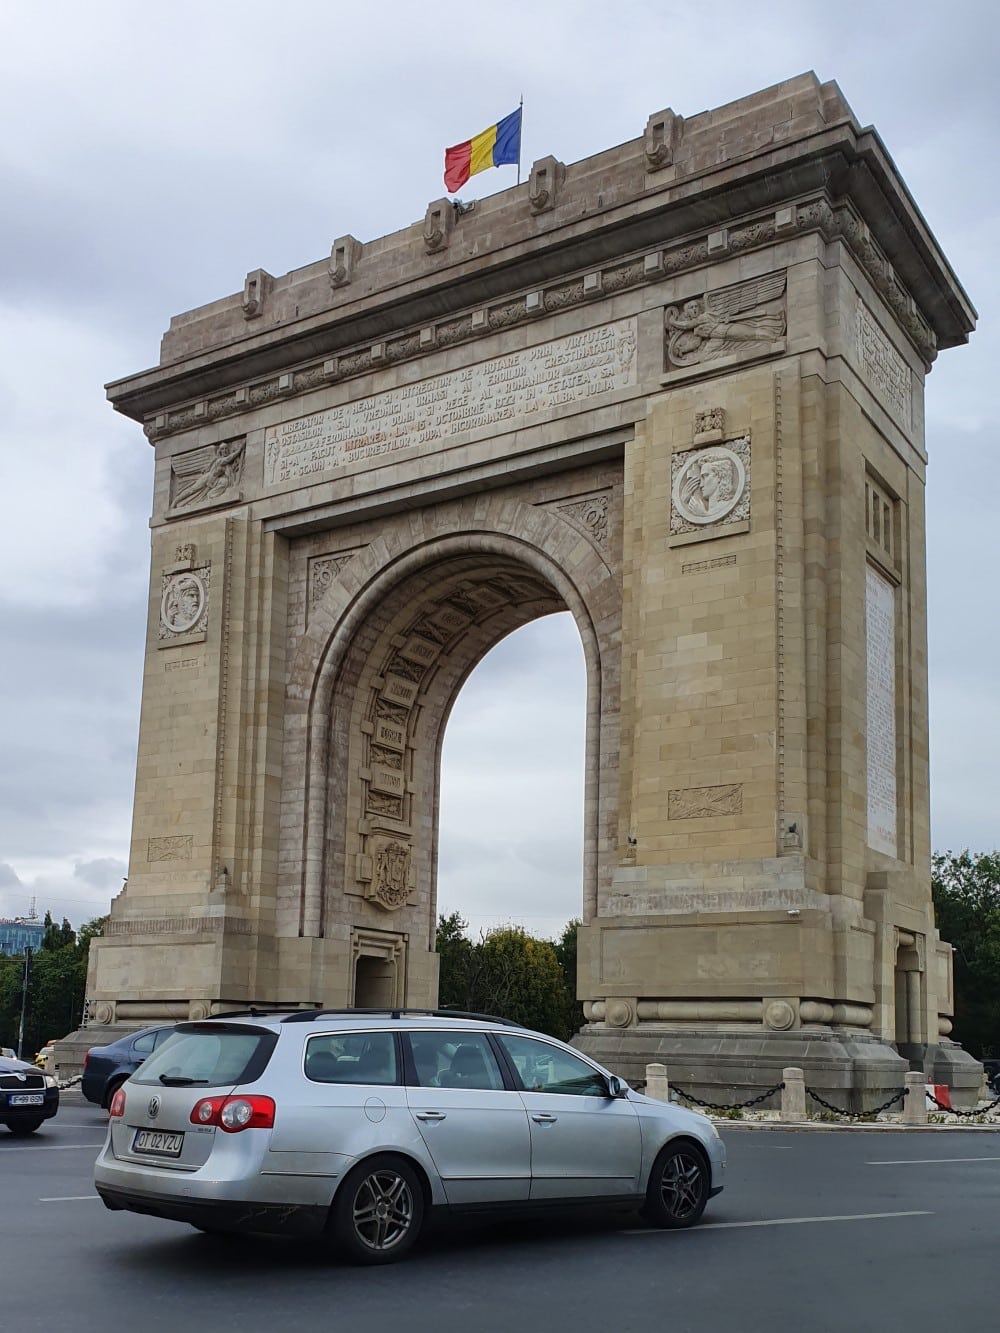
152,155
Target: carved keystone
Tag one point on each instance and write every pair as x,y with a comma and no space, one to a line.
544,183
256,288
345,254
438,223
663,135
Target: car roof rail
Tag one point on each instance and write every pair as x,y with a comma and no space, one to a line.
397,1011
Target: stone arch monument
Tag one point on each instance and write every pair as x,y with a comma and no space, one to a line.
676,389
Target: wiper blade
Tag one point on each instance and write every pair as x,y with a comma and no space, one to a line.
178,1081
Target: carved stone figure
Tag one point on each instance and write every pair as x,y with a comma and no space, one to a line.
726,322
207,473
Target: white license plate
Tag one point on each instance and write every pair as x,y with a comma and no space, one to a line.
155,1141
26,1099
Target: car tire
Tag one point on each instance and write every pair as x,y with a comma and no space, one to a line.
378,1211
110,1090
22,1128
678,1186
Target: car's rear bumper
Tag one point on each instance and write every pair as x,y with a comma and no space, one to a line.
271,1219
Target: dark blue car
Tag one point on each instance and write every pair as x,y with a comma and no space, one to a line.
27,1096
106,1068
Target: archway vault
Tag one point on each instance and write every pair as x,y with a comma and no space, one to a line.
390,643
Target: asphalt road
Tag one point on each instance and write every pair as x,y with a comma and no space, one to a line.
851,1232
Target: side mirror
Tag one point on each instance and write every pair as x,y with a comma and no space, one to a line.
617,1087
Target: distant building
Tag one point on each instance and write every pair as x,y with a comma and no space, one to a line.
20,933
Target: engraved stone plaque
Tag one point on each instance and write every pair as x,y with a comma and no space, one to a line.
885,371
493,395
880,630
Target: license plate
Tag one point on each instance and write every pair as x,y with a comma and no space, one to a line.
26,1099
156,1142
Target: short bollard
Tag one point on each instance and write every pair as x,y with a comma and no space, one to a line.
793,1095
657,1085
915,1102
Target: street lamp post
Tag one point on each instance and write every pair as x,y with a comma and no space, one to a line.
24,1000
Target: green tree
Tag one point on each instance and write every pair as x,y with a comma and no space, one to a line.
511,974
56,989
966,889
565,948
455,952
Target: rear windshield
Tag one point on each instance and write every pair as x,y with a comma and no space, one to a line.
212,1055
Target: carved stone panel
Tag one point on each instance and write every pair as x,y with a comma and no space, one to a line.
705,802
745,320
207,476
710,486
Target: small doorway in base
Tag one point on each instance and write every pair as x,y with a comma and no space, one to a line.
378,981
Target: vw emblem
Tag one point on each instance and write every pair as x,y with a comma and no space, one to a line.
153,1108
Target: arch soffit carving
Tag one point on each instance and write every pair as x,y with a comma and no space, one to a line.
545,544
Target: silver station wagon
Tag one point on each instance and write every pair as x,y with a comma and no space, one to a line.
355,1124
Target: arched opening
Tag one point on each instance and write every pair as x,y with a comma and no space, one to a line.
396,639
512,785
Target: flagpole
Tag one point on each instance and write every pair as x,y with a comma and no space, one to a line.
520,107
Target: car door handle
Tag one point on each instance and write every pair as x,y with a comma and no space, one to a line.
430,1115
544,1119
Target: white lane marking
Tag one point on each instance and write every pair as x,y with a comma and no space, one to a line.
69,1198
929,1161
56,1147
780,1222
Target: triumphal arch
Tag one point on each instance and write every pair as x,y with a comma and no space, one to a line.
675,389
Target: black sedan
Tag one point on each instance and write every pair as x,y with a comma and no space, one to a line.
27,1096
106,1068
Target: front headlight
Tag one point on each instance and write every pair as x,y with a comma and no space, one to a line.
51,1082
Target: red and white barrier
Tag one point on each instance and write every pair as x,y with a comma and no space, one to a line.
941,1092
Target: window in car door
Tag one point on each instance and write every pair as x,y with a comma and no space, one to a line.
142,1046
455,1060
542,1067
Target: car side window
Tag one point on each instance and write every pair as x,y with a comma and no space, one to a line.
162,1035
143,1045
545,1068
352,1057
455,1060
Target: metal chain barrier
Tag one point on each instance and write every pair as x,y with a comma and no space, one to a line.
731,1106
858,1115
953,1110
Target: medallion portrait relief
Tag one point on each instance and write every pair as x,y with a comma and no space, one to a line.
183,603
708,485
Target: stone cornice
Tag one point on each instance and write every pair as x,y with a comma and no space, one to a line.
814,215
499,253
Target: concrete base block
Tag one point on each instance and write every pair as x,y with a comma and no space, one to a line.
948,1063
853,1071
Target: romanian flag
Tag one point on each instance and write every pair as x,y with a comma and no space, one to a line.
498,146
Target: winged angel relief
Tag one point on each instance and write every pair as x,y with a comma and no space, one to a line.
726,322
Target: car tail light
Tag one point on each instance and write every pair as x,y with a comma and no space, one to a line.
233,1114
117,1107
86,1059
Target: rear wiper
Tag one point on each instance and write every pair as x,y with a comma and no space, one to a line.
179,1081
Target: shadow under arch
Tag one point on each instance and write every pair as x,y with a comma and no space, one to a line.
384,599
